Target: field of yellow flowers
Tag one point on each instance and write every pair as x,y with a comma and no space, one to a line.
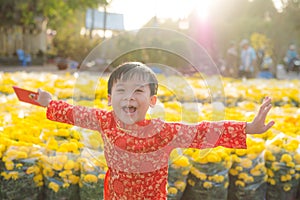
50,160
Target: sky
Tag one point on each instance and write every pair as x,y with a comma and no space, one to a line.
278,4
138,12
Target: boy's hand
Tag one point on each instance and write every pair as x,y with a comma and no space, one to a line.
43,98
258,125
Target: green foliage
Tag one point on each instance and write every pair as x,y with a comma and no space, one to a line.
25,12
238,19
262,42
231,20
70,44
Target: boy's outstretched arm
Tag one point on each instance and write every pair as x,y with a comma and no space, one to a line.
258,125
61,111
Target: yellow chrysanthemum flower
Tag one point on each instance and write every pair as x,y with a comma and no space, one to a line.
207,185
53,186
48,172
5,175
14,175
94,143
213,157
57,166
271,181
33,169
286,158
252,156
63,174
235,158
227,164
70,164
269,156
88,167
246,163
292,171
52,144
180,185
243,175
239,168
270,173
9,165
239,183
63,133
277,142
287,187
275,166
285,178
172,190
297,158
290,164
182,161
101,176
62,158
185,172
67,172
74,179
198,174
38,178
226,184
217,178
191,182
201,160
241,152
2,147
233,172
90,178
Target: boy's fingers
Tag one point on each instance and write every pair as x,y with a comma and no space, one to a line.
266,102
265,107
269,125
263,110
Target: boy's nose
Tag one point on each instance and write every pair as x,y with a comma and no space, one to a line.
129,96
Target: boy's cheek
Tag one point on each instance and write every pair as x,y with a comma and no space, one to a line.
109,100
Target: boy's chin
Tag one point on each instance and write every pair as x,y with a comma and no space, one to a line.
128,121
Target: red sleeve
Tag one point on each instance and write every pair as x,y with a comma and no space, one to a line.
81,116
230,134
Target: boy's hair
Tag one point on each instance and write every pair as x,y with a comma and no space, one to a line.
130,70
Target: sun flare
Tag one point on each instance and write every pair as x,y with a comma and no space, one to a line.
202,8
163,9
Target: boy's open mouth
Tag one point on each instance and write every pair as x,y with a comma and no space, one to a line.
129,109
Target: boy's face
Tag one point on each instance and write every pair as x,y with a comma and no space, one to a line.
130,100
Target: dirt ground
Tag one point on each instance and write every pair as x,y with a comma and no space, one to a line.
281,73
39,68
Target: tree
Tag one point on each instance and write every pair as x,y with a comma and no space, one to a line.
56,13
24,20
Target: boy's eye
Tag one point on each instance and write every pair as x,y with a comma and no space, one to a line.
120,90
139,90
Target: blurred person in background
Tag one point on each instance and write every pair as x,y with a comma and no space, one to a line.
248,60
291,57
266,67
232,60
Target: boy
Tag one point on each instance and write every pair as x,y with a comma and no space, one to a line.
137,149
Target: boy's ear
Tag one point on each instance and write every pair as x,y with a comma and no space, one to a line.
109,100
153,100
